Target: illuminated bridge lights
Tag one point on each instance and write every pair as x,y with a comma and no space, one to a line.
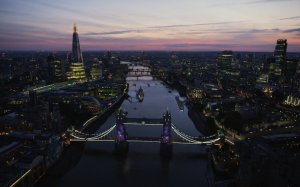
166,138
166,135
121,135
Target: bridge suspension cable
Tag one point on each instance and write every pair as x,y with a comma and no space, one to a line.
173,126
93,136
105,133
183,136
192,139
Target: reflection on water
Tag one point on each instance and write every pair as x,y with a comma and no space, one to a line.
143,166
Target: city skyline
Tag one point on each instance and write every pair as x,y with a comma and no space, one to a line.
249,25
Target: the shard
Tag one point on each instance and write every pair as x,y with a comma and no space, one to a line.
76,52
76,70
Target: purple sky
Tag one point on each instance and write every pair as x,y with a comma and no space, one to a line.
206,25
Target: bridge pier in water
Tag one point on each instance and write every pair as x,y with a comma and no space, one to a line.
166,147
121,144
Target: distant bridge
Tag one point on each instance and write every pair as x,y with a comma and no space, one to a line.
146,71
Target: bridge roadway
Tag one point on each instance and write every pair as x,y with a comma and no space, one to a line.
143,121
137,139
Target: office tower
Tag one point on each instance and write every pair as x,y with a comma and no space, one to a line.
225,58
96,71
56,69
280,55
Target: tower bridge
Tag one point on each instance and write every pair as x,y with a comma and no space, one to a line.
166,139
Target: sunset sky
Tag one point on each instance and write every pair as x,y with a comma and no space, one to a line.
198,25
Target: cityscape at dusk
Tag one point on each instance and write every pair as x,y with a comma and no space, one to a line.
240,25
150,93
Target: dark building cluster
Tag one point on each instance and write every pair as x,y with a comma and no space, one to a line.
45,94
254,99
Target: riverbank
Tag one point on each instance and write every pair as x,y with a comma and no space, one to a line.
72,154
203,125
100,119
88,126
177,86
69,159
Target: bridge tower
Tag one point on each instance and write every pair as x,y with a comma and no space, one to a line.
166,147
121,144
166,134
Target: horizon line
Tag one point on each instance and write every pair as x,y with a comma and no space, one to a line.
106,50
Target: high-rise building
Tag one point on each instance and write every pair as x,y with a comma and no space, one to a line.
263,79
76,70
225,58
290,68
280,55
298,68
76,51
96,71
56,69
280,50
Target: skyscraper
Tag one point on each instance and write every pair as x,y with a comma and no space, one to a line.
76,52
96,71
279,55
280,50
225,58
76,70
56,69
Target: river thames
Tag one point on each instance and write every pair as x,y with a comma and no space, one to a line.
143,165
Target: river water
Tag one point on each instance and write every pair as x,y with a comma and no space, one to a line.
143,165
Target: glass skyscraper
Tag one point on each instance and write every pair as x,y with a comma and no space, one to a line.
76,70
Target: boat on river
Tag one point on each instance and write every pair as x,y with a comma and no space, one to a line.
140,94
180,103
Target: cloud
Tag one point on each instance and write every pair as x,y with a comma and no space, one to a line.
220,46
112,32
18,29
5,12
288,18
58,6
268,1
192,25
292,30
181,45
153,28
218,31
228,3
86,17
